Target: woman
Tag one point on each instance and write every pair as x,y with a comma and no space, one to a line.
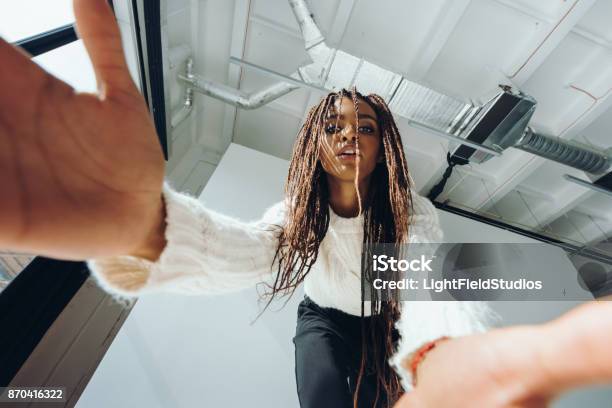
82,178
348,185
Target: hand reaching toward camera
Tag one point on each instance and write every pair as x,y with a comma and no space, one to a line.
81,174
520,366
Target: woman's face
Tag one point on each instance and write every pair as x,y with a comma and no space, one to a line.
338,151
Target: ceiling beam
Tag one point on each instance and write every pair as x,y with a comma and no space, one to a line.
582,228
446,21
545,212
522,69
239,34
341,20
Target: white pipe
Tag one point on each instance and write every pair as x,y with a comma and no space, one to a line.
314,41
237,97
180,115
185,110
311,33
289,79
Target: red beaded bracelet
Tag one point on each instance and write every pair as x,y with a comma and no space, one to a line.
418,356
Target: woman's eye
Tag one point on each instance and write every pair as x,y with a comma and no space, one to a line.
332,128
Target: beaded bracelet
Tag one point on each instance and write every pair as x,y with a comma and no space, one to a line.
419,355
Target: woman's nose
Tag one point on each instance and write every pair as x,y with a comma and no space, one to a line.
348,134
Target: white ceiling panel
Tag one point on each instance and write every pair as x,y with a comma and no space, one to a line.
179,31
267,130
552,9
549,178
575,63
486,41
274,49
599,206
392,34
597,21
599,132
420,166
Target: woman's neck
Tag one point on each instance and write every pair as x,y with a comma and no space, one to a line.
343,196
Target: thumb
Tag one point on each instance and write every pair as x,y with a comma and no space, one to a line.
574,349
96,25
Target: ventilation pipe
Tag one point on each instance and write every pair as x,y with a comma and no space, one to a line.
503,122
568,152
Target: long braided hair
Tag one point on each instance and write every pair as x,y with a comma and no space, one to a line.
386,211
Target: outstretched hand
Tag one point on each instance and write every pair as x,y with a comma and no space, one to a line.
521,366
81,174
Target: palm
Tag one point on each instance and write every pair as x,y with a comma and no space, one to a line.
518,367
80,173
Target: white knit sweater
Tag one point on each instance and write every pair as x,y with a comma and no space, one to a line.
209,253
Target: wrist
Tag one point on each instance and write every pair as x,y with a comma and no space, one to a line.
154,241
419,356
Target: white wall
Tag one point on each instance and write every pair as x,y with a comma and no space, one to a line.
176,351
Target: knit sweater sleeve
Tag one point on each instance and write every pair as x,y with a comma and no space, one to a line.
206,253
424,321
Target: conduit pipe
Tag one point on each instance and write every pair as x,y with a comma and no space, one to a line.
185,110
237,97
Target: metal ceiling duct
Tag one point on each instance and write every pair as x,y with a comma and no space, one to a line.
335,69
567,152
605,181
503,123
500,123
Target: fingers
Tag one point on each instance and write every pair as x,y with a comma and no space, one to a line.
97,27
18,74
573,350
22,84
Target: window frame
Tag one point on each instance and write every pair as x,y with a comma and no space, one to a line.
49,40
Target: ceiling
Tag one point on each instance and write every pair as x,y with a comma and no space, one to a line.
559,52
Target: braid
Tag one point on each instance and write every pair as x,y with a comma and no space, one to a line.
356,107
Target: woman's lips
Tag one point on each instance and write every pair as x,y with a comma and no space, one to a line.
344,157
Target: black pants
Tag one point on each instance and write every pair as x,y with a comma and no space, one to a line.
328,357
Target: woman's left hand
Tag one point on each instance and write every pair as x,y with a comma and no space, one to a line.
520,366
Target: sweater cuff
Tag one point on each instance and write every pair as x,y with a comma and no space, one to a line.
426,321
127,276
